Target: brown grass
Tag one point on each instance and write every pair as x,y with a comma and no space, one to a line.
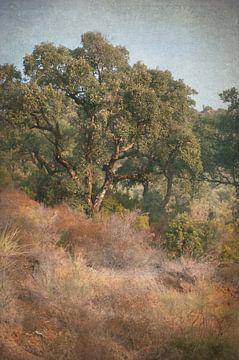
96,289
10,252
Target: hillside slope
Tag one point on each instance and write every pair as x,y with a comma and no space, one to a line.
76,288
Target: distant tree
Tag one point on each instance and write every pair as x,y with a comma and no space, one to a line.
89,114
219,137
207,109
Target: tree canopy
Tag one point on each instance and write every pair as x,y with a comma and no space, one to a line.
89,115
219,137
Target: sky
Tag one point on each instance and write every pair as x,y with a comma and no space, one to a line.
197,40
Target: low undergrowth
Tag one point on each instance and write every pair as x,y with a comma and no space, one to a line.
100,289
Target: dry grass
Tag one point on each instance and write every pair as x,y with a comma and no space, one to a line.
128,312
95,289
10,252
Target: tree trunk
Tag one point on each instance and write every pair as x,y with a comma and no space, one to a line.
146,189
110,174
100,197
89,177
168,192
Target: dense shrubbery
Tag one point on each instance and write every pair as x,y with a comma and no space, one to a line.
112,205
186,236
230,248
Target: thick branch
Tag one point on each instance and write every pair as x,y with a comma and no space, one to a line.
223,181
59,158
68,167
48,127
74,97
110,173
50,168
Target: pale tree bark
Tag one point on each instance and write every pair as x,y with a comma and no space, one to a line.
110,169
110,174
57,153
168,193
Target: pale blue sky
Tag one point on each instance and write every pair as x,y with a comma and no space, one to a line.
197,40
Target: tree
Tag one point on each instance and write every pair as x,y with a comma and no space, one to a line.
89,114
170,150
218,131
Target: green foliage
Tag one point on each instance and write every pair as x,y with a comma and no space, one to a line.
130,198
54,190
151,203
141,222
88,115
111,205
218,131
230,251
185,237
230,248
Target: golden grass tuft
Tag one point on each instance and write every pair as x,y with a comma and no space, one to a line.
10,252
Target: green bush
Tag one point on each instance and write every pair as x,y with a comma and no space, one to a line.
52,190
230,252
141,222
230,249
151,203
111,205
185,236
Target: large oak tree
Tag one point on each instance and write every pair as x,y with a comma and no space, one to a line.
91,115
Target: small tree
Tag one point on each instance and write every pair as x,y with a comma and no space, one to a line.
184,237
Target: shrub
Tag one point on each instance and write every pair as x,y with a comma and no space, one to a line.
184,237
112,205
141,222
113,241
61,279
230,248
151,203
230,251
116,243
